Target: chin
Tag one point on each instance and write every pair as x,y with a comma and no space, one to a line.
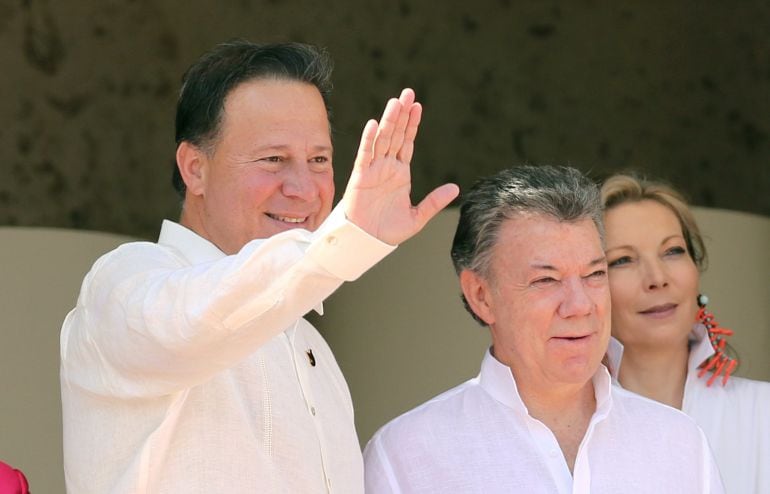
579,372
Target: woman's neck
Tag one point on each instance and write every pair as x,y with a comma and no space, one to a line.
658,375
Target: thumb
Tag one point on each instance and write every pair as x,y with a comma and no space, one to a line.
434,202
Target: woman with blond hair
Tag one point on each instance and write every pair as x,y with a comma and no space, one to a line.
673,350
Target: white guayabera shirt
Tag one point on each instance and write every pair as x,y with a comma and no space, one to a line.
479,438
187,371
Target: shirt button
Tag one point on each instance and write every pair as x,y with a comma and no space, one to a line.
312,411
332,240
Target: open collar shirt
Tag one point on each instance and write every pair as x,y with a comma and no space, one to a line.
735,417
480,438
184,370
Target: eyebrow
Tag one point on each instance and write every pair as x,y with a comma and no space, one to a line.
286,147
548,267
676,235
629,247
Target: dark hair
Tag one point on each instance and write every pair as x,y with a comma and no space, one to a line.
619,189
208,81
563,193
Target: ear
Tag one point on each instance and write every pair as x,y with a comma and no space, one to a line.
477,292
192,161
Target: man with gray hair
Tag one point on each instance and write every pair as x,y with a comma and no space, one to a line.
542,416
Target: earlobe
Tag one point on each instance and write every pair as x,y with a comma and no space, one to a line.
191,163
477,292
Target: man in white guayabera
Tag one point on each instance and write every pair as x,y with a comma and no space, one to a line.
187,366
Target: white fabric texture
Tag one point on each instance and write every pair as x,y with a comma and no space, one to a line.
187,371
734,417
479,438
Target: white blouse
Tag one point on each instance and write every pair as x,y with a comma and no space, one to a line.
734,417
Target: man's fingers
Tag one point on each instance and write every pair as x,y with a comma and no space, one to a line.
407,101
365,148
388,124
398,132
410,133
407,97
434,202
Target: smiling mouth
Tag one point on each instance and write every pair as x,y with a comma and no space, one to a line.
287,219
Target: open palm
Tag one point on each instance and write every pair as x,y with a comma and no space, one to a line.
377,197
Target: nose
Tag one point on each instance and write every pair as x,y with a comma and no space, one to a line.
577,301
654,276
298,183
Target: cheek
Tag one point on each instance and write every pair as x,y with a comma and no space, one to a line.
692,280
602,299
623,290
257,187
325,184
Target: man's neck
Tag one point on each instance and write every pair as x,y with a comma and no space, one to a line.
658,374
566,411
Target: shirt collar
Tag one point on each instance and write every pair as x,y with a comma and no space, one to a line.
497,379
700,347
196,249
614,356
700,350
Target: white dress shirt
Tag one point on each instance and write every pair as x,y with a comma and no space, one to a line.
187,371
479,438
734,417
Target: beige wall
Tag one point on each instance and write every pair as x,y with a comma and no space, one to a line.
399,333
40,275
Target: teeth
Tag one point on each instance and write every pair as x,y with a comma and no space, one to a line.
286,219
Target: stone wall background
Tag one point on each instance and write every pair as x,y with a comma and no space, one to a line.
680,90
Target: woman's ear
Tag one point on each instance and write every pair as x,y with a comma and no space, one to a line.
477,292
192,161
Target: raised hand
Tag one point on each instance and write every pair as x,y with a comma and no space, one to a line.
377,197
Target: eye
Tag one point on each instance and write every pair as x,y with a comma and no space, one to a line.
676,251
271,164
545,281
619,261
597,275
319,164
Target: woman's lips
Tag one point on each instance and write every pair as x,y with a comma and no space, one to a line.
659,311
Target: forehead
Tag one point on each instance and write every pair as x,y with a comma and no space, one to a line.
272,104
529,240
640,221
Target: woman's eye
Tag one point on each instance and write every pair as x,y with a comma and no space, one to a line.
675,251
619,261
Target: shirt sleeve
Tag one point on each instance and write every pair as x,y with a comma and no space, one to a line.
147,324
